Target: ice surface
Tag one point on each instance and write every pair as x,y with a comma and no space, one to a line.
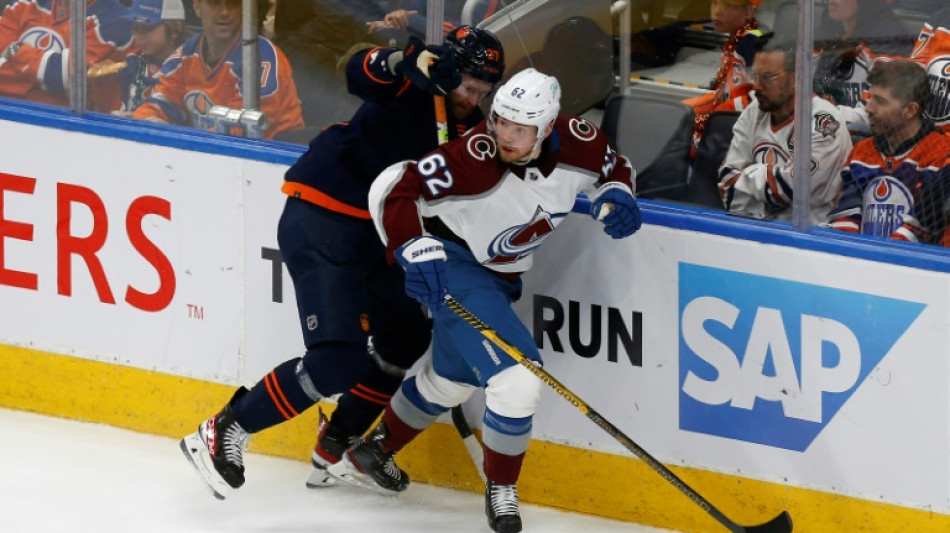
62,476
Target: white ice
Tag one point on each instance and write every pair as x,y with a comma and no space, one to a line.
59,476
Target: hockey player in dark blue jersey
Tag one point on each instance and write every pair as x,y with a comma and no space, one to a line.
360,329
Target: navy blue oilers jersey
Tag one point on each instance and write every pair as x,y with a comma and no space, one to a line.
396,122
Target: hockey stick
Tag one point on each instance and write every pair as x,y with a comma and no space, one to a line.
780,524
472,445
441,121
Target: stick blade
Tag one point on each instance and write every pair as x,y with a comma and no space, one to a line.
780,524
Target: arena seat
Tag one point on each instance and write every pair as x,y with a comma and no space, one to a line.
655,135
703,188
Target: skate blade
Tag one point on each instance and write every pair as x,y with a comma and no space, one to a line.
321,479
194,450
348,473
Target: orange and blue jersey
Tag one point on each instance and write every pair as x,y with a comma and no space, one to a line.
898,194
188,87
39,70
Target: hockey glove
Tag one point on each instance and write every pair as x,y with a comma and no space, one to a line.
431,68
423,259
624,219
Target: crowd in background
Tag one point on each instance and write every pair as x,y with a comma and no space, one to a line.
179,62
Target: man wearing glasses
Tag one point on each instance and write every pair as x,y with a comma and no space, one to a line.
756,178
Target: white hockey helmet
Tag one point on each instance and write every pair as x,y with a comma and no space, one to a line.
529,98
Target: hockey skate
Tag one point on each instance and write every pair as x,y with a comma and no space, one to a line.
331,443
366,464
501,508
216,450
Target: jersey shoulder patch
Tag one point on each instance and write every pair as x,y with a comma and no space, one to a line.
580,143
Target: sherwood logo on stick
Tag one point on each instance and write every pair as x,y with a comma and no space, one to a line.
771,361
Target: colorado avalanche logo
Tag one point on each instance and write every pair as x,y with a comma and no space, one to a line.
826,125
518,241
886,202
481,146
582,129
44,39
938,72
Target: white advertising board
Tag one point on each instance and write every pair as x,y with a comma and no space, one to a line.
759,360
98,221
273,333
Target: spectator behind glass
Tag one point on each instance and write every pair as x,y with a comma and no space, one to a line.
851,36
731,86
34,48
897,182
873,22
158,28
933,52
207,71
756,178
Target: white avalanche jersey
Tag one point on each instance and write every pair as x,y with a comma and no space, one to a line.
502,213
756,178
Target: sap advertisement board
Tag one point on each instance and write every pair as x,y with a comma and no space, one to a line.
746,358
761,360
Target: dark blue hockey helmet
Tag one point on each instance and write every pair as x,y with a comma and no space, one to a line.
478,52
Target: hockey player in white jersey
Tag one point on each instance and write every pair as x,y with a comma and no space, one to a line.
466,219
756,178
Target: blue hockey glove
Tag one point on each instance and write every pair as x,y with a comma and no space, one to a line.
623,219
423,259
431,68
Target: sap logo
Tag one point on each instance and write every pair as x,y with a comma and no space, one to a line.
771,361
548,320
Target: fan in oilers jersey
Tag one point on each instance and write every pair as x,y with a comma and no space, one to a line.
207,71
933,52
897,182
158,27
34,47
467,218
361,331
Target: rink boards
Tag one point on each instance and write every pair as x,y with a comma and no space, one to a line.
772,369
